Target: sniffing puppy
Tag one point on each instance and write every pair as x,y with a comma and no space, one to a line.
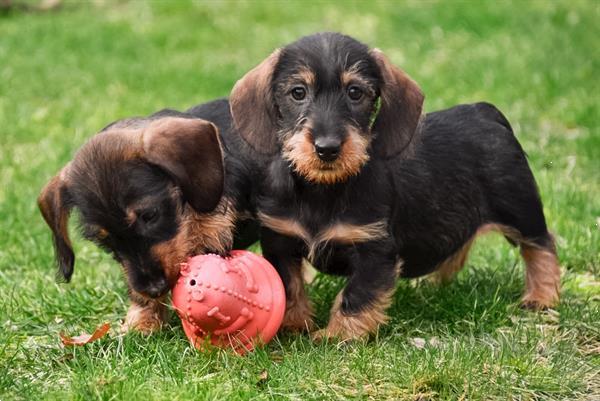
153,191
360,182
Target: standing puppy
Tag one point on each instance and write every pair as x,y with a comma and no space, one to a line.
365,186
153,191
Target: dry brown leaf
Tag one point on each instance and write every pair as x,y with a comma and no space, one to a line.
85,338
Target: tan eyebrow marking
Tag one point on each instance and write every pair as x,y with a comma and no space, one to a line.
102,233
306,75
353,77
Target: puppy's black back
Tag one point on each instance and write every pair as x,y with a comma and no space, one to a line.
468,170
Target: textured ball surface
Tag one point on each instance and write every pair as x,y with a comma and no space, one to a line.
236,301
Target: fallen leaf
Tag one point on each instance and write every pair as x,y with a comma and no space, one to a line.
85,338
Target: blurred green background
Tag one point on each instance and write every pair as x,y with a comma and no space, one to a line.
69,68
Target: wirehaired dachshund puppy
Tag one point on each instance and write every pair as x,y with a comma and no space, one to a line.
153,191
362,184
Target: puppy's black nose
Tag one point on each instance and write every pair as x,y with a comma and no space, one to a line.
328,149
157,288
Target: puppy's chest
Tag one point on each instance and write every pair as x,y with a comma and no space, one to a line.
321,225
355,212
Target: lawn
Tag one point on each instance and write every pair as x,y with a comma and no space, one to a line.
66,73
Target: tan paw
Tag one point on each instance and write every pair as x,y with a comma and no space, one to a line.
356,326
338,334
298,318
144,319
538,303
542,278
299,311
346,328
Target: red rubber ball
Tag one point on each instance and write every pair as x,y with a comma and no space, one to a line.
232,302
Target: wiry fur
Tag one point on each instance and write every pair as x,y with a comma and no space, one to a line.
349,327
299,151
542,277
433,180
299,311
342,233
154,191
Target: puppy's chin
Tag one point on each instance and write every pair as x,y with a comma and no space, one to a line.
300,152
326,175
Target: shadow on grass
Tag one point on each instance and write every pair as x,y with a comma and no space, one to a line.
13,6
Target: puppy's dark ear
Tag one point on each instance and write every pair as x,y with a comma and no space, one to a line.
55,205
401,106
252,106
189,151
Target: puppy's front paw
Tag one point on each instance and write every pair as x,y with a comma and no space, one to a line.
145,319
350,327
343,329
299,311
298,317
534,304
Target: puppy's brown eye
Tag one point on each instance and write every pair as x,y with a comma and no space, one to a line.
355,93
149,216
298,93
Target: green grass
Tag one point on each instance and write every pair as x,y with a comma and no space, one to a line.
67,73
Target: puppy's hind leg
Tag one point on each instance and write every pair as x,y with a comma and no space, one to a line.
542,273
542,270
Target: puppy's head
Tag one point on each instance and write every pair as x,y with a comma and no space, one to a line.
327,103
134,185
